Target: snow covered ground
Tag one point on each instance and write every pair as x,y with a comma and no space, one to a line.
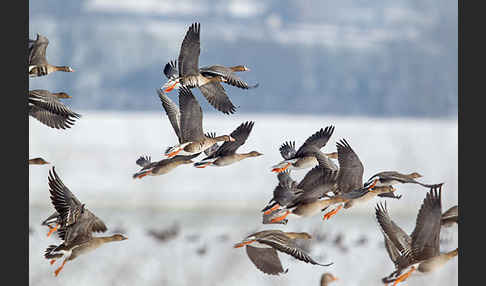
96,160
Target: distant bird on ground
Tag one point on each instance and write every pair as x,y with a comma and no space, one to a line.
421,250
207,79
261,248
161,167
304,157
77,225
327,278
450,217
390,178
187,124
46,107
38,161
165,234
38,65
226,154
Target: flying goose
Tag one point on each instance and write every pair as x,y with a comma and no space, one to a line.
261,248
38,65
46,107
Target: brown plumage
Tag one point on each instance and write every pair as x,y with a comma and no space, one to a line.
261,248
38,65
38,161
207,79
420,250
225,154
46,107
77,224
304,157
187,123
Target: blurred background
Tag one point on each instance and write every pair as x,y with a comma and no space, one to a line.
384,73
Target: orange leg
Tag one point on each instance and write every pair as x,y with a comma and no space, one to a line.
243,243
403,277
52,261
143,174
172,154
171,87
60,268
205,165
277,219
278,170
52,229
267,212
373,185
331,213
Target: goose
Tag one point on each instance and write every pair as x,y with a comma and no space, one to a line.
304,157
46,107
420,251
226,154
262,246
77,224
38,65
187,124
189,74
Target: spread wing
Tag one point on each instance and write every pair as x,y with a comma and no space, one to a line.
189,53
64,201
46,108
217,97
191,116
289,247
172,111
287,150
315,142
265,259
351,169
37,53
240,134
397,242
170,70
230,77
425,236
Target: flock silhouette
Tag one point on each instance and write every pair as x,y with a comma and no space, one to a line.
327,186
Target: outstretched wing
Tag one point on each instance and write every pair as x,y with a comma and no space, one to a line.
189,53
240,134
64,201
425,236
191,116
397,242
217,97
265,259
350,168
37,53
287,150
172,111
315,142
170,70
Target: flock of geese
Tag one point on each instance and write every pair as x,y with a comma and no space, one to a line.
327,186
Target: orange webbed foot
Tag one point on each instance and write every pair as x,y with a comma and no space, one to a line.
52,229
403,277
332,213
171,87
60,268
52,261
267,212
277,219
278,170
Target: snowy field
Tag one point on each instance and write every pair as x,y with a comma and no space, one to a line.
216,207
